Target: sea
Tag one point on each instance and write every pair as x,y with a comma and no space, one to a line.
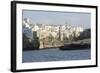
55,54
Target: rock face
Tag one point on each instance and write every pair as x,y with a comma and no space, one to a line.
30,39
30,44
85,34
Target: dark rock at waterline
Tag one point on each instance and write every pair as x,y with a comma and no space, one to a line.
81,44
31,44
75,47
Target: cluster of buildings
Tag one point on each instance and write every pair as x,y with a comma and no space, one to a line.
44,31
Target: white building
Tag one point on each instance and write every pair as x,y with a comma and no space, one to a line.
27,29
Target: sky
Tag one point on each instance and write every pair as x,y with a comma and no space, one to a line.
58,18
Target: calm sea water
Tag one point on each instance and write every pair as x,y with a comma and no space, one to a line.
55,55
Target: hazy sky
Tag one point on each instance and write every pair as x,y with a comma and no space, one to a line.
58,18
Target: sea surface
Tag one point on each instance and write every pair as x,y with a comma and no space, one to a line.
55,55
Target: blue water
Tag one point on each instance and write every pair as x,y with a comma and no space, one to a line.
55,55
